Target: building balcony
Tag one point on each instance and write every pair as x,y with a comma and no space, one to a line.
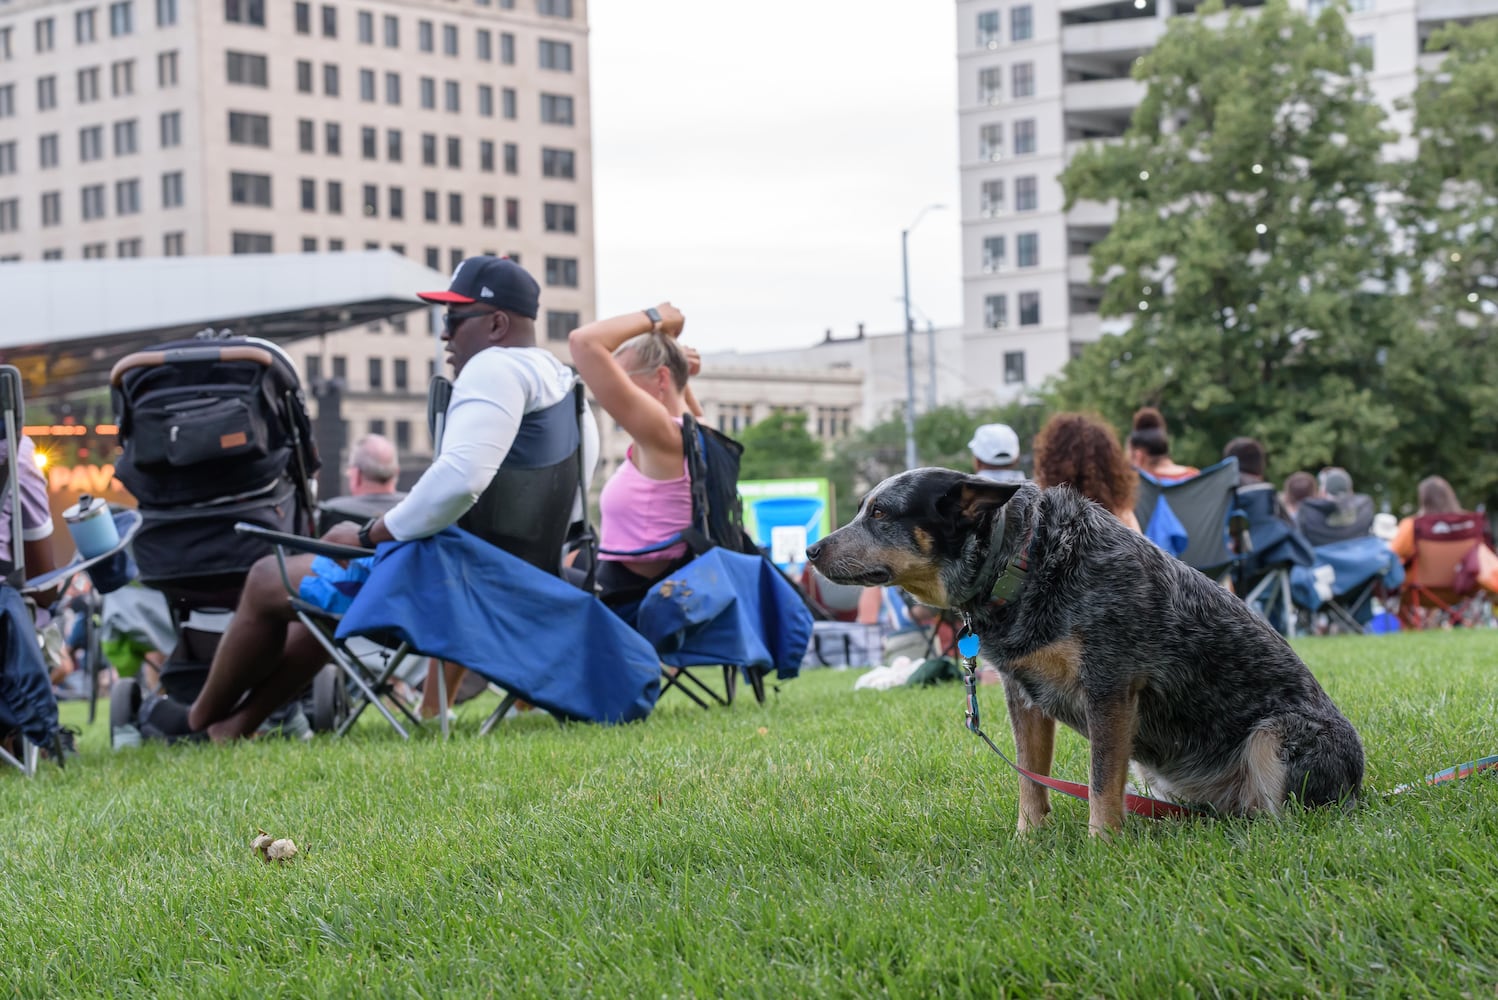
1454,10
1103,95
1079,269
1092,213
1134,34
1075,146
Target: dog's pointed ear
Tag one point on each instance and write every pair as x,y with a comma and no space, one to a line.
973,498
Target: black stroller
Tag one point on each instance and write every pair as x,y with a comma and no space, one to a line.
214,432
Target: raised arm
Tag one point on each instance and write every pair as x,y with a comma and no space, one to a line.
641,416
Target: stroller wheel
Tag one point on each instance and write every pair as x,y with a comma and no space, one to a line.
124,712
330,704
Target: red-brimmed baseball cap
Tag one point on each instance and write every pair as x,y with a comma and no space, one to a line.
492,281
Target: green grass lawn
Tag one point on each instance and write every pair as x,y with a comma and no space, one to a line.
832,842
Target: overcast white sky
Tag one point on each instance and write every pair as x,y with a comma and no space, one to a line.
755,163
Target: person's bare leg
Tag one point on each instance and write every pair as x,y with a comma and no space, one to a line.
254,646
453,677
302,658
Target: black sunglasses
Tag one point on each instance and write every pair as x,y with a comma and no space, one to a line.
453,320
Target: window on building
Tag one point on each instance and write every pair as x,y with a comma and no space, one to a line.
371,201
369,143
46,37
332,139
395,200
376,374
166,69
428,93
1021,23
560,217
330,79
309,194
52,208
455,256
483,45
303,76
434,258
171,129
486,100
995,311
1014,367
122,78
313,363
121,18
392,88
512,218
173,244
1027,250
249,189
91,143
991,198
990,84
400,374
367,86
393,145
450,39
428,149
365,27
392,31
1023,84
452,96
455,152
47,150
455,208
340,368
988,29
561,272
561,163
1024,136
93,201
425,38
128,198
561,323
8,158
128,247
125,138
247,68
171,189
509,103
94,251
556,55
306,135
83,26
335,200
247,129
329,21
489,210
556,109
991,141
1029,308
46,93
506,48
429,211
993,254
88,85
250,12
403,435
1026,198
302,18
554,8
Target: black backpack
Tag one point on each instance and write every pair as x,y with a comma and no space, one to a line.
713,465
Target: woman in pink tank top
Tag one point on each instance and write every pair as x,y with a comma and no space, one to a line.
637,370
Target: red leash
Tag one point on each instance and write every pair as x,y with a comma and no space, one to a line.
1139,805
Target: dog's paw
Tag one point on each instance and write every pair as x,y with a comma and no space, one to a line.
1103,832
1028,822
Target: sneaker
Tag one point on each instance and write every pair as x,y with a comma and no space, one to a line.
162,718
124,738
294,725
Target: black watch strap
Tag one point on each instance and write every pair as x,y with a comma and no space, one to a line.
654,315
365,542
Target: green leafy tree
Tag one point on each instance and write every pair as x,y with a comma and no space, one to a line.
1445,378
779,447
1249,250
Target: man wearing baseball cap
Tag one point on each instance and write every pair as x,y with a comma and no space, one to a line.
995,449
499,377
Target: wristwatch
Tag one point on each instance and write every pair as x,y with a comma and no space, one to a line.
365,542
654,315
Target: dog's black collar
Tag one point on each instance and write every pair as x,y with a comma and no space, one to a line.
1012,577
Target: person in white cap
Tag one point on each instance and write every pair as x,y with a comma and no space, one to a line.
995,449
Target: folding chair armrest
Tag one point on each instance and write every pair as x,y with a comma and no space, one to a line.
675,539
300,543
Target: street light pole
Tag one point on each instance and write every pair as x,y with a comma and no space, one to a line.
910,455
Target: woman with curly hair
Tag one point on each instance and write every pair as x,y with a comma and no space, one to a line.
1082,450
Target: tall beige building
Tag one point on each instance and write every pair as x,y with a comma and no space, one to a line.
435,128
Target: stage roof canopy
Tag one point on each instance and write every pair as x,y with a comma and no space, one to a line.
66,322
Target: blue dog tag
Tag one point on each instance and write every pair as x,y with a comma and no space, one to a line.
968,645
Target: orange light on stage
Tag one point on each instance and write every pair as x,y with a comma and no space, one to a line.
106,429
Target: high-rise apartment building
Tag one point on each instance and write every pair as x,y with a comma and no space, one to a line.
437,129
1039,78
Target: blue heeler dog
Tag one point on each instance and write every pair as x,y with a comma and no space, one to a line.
1092,625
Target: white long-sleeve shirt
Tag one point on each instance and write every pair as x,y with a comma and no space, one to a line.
491,395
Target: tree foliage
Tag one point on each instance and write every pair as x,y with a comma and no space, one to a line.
1447,376
779,447
1250,248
